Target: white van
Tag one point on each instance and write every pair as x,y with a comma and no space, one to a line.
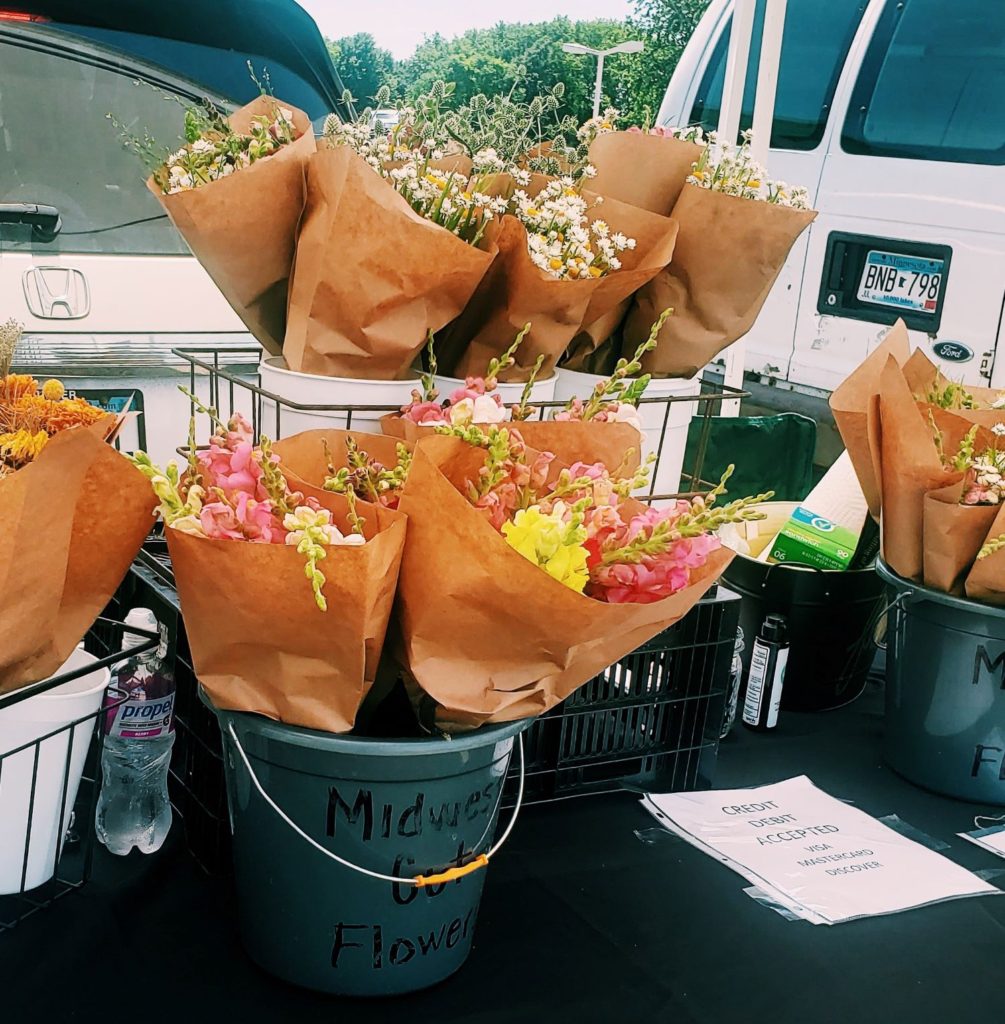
892,114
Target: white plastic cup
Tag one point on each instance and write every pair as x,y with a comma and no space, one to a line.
509,393
60,760
665,478
314,389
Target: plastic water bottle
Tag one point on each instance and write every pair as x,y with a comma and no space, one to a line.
134,808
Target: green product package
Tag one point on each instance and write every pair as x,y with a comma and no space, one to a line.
809,539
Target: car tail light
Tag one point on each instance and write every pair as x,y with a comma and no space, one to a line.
23,16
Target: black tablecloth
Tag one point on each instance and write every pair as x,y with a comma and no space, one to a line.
590,915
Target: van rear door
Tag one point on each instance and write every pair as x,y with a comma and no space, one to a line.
912,197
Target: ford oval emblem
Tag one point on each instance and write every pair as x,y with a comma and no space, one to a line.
953,351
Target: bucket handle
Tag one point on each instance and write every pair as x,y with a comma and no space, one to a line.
419,881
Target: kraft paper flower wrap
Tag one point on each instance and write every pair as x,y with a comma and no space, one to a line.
954,534
516,292
729,252
648,171
71,522
483,634
259,642
243,228
645,171
923,378
986,581
851,403
304,457
910,468
617,445
372,277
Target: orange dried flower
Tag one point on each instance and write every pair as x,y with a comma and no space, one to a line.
17,385
71,412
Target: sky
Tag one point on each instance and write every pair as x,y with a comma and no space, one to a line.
399,25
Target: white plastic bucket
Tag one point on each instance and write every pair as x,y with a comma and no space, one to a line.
665,478
510,394
314,389
60,765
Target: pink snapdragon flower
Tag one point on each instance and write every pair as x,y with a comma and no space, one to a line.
472,388
424,412
246,519
641,583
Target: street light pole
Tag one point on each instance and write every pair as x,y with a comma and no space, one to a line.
598,88
629,46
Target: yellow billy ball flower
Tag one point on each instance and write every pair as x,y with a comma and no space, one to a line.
53,390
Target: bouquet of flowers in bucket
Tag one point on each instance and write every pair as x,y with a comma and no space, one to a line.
234,190
959,517
242,541
736,228
568,257
389,216
929,455
73,514
523,577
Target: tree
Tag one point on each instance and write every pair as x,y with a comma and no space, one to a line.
665,26
362,64
526,58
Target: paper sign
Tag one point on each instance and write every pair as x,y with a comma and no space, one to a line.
992,839
824,860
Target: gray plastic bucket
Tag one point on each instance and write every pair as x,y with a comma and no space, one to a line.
945,691
400,808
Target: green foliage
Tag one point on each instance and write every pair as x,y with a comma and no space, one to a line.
489,61
363,66
666,26
526,61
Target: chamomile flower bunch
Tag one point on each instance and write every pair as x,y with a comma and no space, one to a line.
213,150
561,238
731,169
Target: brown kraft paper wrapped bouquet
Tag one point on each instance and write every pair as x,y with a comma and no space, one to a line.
73,514
235,192
264,638
372,275
736,230
484,635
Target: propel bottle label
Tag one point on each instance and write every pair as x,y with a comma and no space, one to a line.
148,710
142,719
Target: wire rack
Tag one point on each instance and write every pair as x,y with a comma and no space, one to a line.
232,384
37,783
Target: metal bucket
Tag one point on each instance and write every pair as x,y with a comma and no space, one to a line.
332,835
945,691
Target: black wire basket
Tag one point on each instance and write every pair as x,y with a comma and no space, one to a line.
228,380
49,782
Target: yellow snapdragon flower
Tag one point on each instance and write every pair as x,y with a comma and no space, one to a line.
551,544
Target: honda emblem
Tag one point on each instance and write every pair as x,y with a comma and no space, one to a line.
56,293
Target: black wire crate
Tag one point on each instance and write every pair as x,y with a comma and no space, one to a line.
650,720
50,767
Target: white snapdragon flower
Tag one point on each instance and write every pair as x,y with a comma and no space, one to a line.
626,413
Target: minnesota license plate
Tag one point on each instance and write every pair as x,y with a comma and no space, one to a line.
903,282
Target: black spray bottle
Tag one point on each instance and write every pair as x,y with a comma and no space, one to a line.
767,675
